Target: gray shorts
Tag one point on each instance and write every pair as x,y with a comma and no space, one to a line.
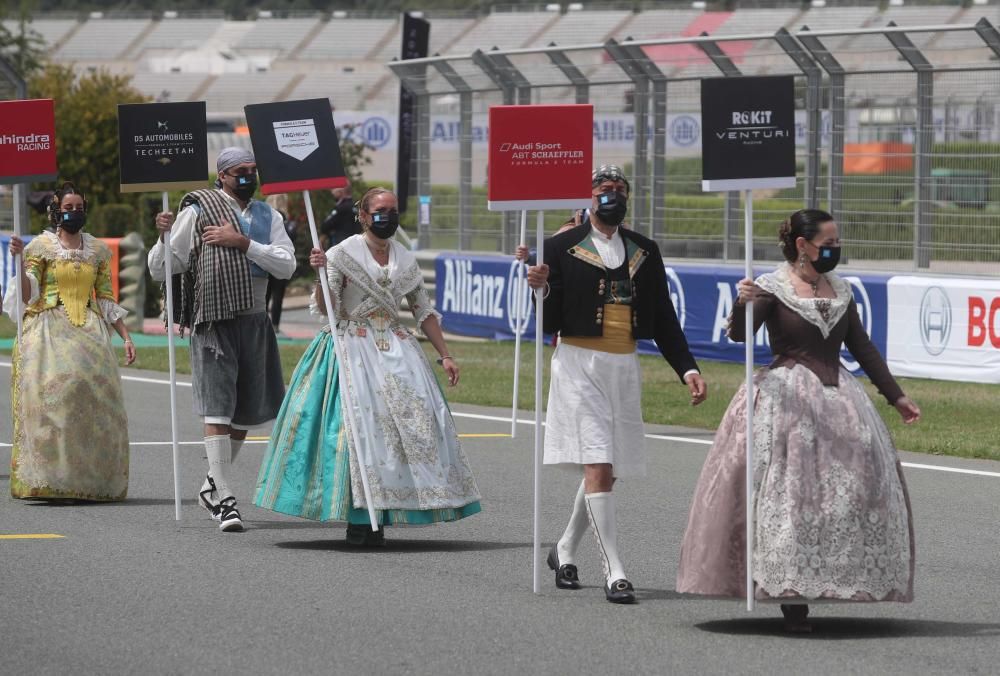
241,383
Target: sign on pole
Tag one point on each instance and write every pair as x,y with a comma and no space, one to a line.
27,141
540,158
748,143
162,146
296,147
748,133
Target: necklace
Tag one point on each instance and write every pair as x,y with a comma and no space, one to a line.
814,284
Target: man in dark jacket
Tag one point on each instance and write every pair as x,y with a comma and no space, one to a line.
342,222
605,287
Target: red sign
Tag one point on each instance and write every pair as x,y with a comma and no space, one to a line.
541,157
27,141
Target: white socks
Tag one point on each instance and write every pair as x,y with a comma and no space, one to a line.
601,509
235,446
577,526
220,454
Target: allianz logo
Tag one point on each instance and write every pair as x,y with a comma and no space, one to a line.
490,296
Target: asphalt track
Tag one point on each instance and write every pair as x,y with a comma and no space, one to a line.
126,589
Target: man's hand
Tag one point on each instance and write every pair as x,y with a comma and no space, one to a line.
538,276
697,387
225,235
164,221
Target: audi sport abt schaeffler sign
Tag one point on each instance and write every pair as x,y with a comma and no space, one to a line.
27,141
541,157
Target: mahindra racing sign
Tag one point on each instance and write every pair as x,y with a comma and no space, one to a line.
27,141
540,157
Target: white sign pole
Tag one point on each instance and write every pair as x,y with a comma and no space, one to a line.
168,260
748,262
18,263
519,309
345,392
539,356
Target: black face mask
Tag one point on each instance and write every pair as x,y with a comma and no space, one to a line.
384,225
828,258
245,187
72,221
612,207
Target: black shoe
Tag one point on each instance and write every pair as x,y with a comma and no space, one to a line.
229,516
361,535
796,621
566,575
620,591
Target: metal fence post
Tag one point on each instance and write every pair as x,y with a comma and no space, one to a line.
923,213
814,120
734,215
464,152
838,117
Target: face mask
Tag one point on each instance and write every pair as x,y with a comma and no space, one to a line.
612,207
385,225
72,221
828,258
246,186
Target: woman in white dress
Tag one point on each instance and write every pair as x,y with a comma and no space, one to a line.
405,443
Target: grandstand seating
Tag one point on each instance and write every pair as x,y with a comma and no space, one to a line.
180,34
102,40
344,57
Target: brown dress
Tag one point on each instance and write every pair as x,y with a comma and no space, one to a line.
832,514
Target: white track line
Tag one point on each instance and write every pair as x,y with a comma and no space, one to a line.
525,421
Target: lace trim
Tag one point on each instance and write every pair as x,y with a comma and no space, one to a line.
111,310
91,248
823,313
820,555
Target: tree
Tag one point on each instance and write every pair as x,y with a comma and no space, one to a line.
87,127
22,46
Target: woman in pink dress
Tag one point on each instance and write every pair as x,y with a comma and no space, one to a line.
831,511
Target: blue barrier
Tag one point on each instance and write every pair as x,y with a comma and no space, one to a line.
478,295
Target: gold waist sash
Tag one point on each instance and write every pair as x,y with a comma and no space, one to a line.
617,338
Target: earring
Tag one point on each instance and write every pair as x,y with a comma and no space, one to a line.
802,260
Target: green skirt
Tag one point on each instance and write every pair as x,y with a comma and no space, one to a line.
306,468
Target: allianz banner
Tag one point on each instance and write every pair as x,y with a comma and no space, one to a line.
477,296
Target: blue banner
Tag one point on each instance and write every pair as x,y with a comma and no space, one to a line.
478,296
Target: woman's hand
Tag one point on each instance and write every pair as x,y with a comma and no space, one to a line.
450,367
16,246
909,411
129,352
746,291
317,259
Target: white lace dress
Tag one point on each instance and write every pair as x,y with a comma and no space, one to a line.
409,444
832,515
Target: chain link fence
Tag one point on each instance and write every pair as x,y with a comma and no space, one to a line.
897,131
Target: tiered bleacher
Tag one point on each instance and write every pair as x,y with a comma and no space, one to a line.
344,56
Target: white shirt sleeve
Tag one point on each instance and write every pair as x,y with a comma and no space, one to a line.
181,241
278,257
10,298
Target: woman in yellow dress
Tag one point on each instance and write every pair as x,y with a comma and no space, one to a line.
70,430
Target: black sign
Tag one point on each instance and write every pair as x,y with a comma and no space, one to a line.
416,40
748,133
162,146
295,145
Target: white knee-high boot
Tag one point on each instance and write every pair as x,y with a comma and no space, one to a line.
577,526
603,522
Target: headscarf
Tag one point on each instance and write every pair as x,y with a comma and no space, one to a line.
233,156
609,172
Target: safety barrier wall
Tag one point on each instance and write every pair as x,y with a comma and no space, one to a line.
945,328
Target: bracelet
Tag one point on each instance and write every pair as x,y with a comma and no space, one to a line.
441,360
128,340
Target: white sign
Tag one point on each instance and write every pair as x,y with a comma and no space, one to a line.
943,328
296,138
